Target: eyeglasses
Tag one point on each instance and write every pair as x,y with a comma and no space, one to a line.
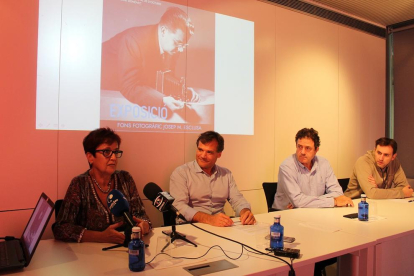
307,149
108,153
180,46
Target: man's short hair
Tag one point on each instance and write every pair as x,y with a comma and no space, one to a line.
175,18
384,141
308,133
99,136
209,136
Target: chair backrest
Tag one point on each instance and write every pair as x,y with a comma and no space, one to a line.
269,189
58,203
344,183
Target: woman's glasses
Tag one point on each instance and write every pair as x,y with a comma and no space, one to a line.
108,153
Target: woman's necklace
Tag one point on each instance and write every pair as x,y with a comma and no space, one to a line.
99,187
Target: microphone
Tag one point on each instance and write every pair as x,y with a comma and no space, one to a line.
161,200
119,206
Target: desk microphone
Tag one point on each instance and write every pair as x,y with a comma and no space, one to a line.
161,200
119,206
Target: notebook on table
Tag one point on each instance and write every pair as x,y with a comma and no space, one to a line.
16,253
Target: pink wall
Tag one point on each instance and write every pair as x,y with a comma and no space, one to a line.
29,162
287,51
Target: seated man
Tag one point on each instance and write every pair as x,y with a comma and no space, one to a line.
201,188
379,174
306,180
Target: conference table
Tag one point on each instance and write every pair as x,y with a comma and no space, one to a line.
391,225
383,246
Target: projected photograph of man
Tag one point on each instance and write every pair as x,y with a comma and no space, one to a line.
146,64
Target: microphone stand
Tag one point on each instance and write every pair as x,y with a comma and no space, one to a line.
127,233
174,235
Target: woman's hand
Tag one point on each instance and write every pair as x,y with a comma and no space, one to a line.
143,224
110,235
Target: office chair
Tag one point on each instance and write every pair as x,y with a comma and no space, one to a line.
269,189
58,204
344,183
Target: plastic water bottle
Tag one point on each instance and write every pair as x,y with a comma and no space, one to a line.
136,251
363,207
276,234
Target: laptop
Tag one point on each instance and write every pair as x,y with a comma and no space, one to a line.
17,253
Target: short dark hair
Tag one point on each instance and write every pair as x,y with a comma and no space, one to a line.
309,133
208,136
384,141
99,136
175,18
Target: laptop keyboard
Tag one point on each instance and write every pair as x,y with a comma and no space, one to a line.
4,258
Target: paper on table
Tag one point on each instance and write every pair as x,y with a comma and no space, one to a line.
251,229
162,262
375,218
258,232
175,253
318,226
371,219
402,200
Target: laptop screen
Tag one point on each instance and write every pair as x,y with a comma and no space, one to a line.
36,225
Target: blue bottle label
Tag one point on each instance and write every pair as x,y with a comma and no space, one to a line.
363,211
275,235
133,252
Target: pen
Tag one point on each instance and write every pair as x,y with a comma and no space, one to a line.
412,200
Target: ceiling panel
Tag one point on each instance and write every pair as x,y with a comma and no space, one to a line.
380,12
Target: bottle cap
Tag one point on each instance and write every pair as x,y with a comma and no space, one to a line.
363,196
136,229
277,216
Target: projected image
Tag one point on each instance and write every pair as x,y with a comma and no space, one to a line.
145,67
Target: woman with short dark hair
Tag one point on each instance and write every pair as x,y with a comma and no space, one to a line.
84,215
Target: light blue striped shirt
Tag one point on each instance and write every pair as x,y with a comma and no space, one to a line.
196,191
303,188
